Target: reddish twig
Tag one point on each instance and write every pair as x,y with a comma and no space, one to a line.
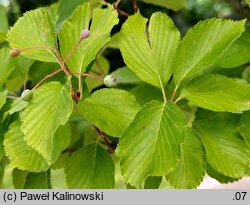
87,74
73,49
106,142
73,94
118,10
30,48
47,77
135,6
62,64
174,94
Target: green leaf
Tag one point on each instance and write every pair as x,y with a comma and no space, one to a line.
190,169
102,22
90,167
218,176
66,8
203,44
152,182
3,36
150,56
61,141
40,69
4,24
218,93
4,126
226,151
7,65
231,58
16,106
91,136
170,4
49,108
114,42
125,76
150,146
111,110
21,155
146,93
37,181
3,96
58,179
19,178
202,114
244,127
22,67
38,23
246,74
102,68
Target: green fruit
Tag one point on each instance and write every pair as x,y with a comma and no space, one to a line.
27,95
110,81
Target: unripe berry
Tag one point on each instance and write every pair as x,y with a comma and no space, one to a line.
85,33
14,52
110,81
27,95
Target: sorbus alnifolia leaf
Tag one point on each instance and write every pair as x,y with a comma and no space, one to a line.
27,95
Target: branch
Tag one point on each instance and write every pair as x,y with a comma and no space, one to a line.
135,6
240,6
47,77
118,10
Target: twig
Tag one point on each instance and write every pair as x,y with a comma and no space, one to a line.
79,92
30,48
73,49
11,97
174,94
47,77
96,72
62,64
135,6
106,142
177,100
73,94
69,150
118,10
87,74
13,94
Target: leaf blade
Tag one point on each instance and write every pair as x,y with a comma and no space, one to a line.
108,107
20,154
7,65
206,91
102,22
39,23
226,152
150,146
190,169
203,45
145,58
49,108
90,167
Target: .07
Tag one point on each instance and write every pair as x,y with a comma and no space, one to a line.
240,195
